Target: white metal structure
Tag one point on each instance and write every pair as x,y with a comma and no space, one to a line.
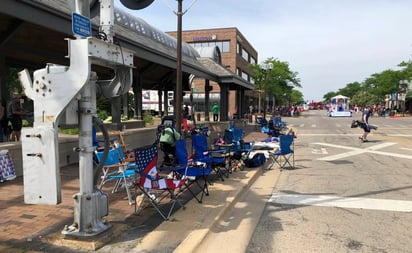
56,89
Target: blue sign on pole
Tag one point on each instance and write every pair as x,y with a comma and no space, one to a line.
81,25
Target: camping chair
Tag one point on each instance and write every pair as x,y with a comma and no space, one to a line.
198,167
286,153
146,167
221,158
114,169
276,126
239,150
117,139
124,158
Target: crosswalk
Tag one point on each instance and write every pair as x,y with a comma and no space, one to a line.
340,125
322,128
342,202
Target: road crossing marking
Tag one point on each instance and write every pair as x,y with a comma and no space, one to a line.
357,151
400,135
337,134
321,151
342,202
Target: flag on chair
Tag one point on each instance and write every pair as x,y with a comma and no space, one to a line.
146,162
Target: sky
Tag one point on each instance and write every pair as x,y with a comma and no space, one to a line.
330,43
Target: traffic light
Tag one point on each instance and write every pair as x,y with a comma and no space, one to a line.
136,4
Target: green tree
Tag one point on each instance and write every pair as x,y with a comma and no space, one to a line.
374,89
277,80
297,97
350,89
328,96
14,84
406,74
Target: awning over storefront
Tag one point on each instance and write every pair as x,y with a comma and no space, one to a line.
33,34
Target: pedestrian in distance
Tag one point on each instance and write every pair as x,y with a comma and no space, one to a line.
215,112
3,122
15,112
186,111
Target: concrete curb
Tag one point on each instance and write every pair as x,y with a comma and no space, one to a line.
188,228
196,237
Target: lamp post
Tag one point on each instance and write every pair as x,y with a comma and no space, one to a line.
265,67
402,94
179,90
259,99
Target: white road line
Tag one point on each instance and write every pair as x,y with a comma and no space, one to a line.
357,151
374,147
351,134
329,134
321,151
343,202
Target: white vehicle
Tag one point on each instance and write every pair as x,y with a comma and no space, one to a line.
150,101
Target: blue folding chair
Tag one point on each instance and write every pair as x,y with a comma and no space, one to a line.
114,169
276,126
198,167
286,154
239,149
150,180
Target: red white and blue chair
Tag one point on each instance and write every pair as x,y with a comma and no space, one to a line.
155,187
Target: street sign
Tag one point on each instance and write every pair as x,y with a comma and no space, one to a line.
81,25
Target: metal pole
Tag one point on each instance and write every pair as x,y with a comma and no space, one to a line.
264,95
179,91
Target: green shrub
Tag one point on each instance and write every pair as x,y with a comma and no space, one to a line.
102,115
72,131
148,119
25,123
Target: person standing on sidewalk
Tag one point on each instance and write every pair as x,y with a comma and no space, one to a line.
15,112
215,111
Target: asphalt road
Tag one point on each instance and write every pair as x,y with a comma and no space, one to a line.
343,195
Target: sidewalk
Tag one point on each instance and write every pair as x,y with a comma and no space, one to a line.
37,228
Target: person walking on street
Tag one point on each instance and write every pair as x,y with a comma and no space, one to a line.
215,111
365,120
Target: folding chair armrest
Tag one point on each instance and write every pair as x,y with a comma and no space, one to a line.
129,160
115,166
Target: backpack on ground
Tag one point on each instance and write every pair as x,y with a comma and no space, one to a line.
257,160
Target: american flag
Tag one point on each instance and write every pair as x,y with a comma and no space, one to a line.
146,161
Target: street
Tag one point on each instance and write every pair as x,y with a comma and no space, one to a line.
343,195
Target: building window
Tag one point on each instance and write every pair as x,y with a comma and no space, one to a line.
245,76
224,46
238,47
245,55
252,60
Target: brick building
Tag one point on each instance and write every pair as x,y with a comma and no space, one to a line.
236,55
